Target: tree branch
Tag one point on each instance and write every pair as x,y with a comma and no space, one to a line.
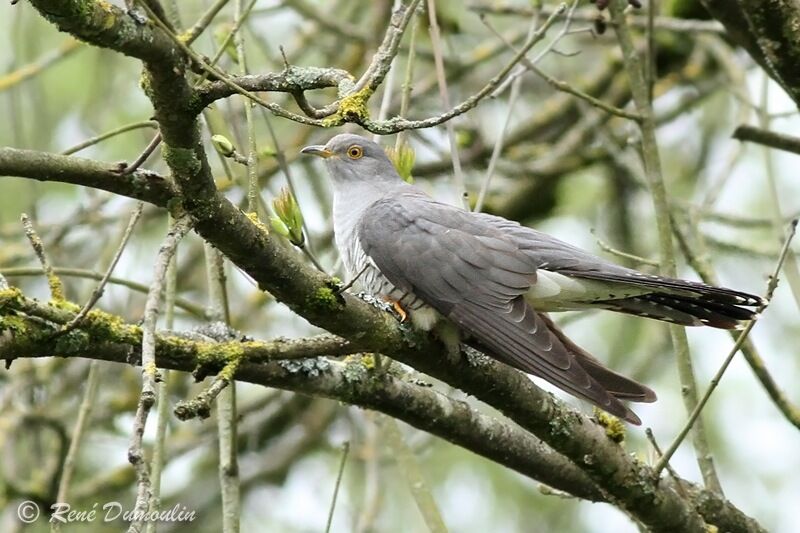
292,79
104,337
312,295
42,166
350,382
772,139
770,32
105,25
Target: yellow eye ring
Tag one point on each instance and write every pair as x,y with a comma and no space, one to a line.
355,152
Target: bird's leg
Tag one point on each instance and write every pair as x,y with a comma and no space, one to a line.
451,338
398,308
352,281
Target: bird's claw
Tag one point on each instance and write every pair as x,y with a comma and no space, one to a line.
398,309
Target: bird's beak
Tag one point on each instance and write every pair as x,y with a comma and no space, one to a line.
318,150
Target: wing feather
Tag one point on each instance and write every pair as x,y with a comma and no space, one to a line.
475,275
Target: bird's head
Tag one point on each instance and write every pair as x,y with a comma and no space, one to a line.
352,158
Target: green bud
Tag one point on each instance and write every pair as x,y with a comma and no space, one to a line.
278,226
288,212
222,145
403,159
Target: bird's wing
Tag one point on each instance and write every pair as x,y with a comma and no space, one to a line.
475,275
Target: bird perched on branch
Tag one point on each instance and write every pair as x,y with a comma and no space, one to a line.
494,279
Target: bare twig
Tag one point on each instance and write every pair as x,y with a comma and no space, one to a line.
771,139
413,473
107,135
652,165
26,72
237,24
143,157
619,253
370,451
562,85
791,268
396,124
188,306
590,15
345,451
149,370
671,471
436,44
252,154
98,290
56,287
327,22
353,280
382,60
388,86
559,85
81,423
512,100
696,257
226,400
408,77
162,409
771,286
228,460
565,30
204,21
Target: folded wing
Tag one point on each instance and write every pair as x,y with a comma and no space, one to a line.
475,274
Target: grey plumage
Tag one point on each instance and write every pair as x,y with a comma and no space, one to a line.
494,278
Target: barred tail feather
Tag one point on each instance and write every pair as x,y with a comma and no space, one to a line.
670,286
694,310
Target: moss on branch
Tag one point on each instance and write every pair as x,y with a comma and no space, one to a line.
102,24
105,337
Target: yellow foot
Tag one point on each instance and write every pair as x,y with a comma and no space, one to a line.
398,309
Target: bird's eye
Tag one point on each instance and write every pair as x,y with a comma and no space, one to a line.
355,152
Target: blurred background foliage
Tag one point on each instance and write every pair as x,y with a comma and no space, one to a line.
566,168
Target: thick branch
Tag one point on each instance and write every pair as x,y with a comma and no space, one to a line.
103,337
770,32
452,420
42,166
103,24
291,80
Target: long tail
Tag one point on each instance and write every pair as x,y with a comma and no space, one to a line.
688,303
700,310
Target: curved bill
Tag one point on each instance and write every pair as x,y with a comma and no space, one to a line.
317,150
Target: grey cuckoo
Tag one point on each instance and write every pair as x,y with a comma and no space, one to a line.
495,279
